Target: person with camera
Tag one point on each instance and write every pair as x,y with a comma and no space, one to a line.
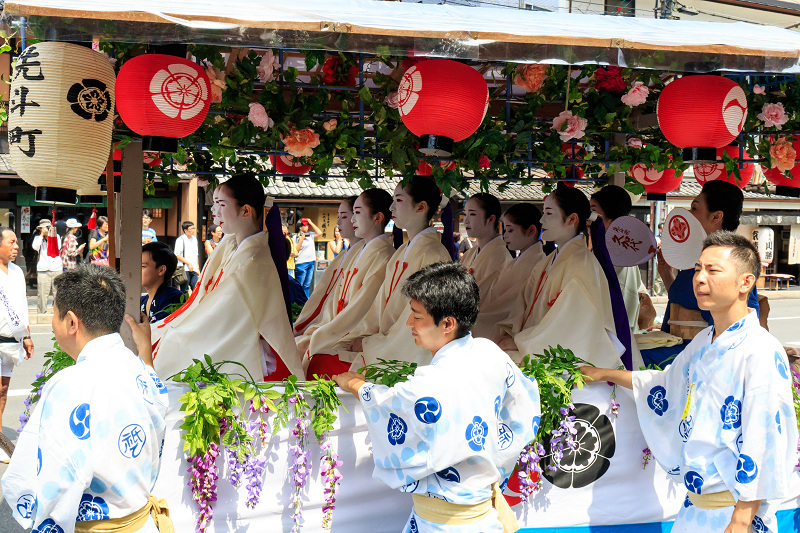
71,251
48,267
304,262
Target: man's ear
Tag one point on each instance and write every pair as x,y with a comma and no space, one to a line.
746,283
162,270
73,323
450,324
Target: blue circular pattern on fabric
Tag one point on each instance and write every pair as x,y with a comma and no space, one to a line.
780,364
396,430
537,420
26,505
406,454
159,384
412,526
693,482
731,413
79,421
50,490
92,508
98,486
131,441
504,436
758,525
510,377
685,428
39,455
476,434
366,392
737,325
746,469
48,526
778,421
687,502
66,473
428,410
449,474
657,400
497,406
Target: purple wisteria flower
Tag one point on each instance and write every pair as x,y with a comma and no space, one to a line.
203,482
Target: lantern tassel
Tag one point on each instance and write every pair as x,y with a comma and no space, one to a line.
52,238
93,219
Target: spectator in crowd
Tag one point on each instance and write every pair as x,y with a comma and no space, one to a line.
465,244
291,251
61,226
98,243
158,265
71,251
214,238
339,244
306,255
47,268
148,233
188,253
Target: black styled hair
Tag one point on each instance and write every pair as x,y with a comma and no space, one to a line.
571,200
490,204
743,251
162,255
424,189
147,213
247,190
351,201
100,221
211,229
614,201
95,294
186,224
446,289
378,201
525,215
725,197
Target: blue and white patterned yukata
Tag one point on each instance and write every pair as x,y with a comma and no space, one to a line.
454,428
91,449
721,418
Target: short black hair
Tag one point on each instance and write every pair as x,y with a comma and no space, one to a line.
490,204
726,197
525,215
95,294
186,224
743,251
162,255
147,213
446,289
614,201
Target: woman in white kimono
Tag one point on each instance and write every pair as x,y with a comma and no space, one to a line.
358,286
486,260
237,311
521,226
382,332
567,290
318,304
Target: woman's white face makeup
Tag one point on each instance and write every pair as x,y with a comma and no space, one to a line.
226,211
515,236
403,208
344,220
554,224
475,220
362,218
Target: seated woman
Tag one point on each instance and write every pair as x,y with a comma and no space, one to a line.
237,311
359,284
521,226
383,332
312,314
485,260
567,292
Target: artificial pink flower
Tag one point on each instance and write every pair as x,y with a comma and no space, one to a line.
635,142
393,100
330,125
637,95
151,159
758,89
258,116
266,68
484,162
773,115
782,155
569,126
300,143
217,78
530,77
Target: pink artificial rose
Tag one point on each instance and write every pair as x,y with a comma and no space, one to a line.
484,162
393,100
266,68
758,89
300,143
569,126
530,77
258,116
773,115
637,95
782,155
330,125
635,142
217,78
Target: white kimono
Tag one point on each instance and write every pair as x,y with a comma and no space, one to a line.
487,263
450,431
567,293
13,312
92,447
237,303
354,295
498,303
721,417
630,282
383,329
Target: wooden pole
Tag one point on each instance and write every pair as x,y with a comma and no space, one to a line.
130,232
111,214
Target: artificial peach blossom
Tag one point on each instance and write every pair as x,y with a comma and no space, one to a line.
217,78
266,68
330,125
773,115
258,116
637,95
530,77
484,162
758,89
569,126
300,143
782,155
393,100
635,142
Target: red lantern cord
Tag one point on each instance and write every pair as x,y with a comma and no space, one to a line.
93,219
52,238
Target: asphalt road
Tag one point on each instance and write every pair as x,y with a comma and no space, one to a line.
784,324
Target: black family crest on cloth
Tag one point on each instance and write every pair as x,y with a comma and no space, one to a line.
596,446
90,99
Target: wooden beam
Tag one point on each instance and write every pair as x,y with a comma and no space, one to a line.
111,212
130,232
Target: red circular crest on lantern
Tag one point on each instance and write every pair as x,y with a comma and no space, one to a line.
710,172
701,111
285,164
655,181
162,95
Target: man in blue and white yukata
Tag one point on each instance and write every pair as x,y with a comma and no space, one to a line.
451,434
720,419
90,453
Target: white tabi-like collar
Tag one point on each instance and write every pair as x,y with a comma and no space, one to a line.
245,240
487,244
99,346
426,231
364,249
454,345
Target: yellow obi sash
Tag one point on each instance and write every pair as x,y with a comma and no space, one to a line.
442,512
133,522
715,500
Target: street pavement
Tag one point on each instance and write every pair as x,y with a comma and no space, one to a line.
784,323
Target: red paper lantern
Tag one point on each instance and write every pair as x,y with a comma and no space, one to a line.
784,185
163,98
285,165
701,113
442,102
710,172
656,183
